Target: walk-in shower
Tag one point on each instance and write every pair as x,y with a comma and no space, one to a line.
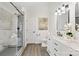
7,44
11,30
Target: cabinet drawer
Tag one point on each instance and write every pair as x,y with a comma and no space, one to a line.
66,51
58,49
50,52
61,49
56,54
74,52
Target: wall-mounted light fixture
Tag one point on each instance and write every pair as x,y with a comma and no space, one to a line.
56,12
59,11
62,10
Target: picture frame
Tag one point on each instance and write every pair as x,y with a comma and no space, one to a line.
43,23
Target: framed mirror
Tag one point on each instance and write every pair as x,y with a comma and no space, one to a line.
62,18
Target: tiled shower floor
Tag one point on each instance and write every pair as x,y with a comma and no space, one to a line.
8,52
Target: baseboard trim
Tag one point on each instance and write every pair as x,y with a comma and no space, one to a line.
34,43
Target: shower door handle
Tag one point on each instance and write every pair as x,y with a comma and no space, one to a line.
18,28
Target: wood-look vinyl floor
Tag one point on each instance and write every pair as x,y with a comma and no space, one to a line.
35,50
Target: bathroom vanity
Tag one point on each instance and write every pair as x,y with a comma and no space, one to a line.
59,46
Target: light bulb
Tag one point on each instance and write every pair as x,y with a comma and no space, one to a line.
55,13
59,13
63,9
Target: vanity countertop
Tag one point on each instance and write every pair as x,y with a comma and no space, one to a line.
74,43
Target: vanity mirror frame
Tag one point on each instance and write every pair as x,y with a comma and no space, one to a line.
76,16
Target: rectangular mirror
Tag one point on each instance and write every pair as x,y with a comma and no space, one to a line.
61,21
62,18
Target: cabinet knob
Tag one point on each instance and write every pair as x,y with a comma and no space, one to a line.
33,31
70,54
49,38
18,28
56,44
55,49
55,54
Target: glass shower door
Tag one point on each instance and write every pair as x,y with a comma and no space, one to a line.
19,33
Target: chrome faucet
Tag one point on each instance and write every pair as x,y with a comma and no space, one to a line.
59,34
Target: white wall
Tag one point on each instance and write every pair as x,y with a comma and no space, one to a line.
7,27
13,37
33,13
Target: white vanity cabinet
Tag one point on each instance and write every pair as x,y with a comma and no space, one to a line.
56,48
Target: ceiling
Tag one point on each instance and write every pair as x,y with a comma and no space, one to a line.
19,5
7,6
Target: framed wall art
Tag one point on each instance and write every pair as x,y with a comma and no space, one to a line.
43,23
